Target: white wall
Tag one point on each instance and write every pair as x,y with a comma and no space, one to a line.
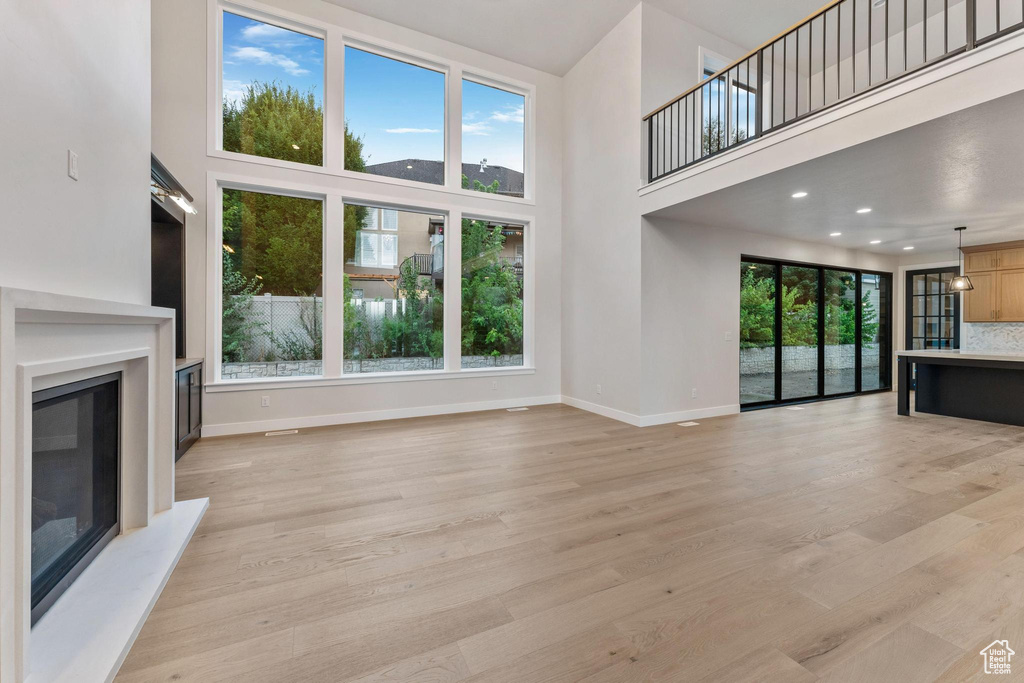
671,59
75,75
180,140
601,221
691,302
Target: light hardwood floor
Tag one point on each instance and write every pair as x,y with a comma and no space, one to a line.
838,542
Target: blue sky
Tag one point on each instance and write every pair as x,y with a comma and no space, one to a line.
492,126
397,108
255,51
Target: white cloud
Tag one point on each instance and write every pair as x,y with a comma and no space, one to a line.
403,131
234,90
479,128
510,115
274,36
263,57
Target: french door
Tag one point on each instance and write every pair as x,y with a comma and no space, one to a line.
933,310
810,332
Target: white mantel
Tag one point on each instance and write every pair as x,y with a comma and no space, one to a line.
48,340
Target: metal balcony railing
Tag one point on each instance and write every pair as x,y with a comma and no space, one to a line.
843,50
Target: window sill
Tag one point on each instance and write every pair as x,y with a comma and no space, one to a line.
226,386
368,177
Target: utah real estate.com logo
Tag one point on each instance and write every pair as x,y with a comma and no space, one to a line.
997,657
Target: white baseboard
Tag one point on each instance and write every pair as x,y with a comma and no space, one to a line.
686,415
651,420
605,411
306,422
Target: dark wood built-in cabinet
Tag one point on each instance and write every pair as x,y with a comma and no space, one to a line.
188,387
167,247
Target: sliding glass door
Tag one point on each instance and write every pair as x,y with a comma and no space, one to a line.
800,350
810,332
840,332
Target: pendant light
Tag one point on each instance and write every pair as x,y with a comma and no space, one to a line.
960,283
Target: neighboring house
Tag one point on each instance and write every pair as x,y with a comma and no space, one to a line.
390,237
510,183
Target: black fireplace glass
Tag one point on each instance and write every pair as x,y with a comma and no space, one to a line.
75,467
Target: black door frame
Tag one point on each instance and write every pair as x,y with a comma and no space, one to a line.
821,395
908,306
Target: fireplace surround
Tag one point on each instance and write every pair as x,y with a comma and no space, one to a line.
49,341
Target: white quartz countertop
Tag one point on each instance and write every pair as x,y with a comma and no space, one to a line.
961,354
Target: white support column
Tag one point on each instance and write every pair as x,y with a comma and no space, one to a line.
454,128
453,291
334,284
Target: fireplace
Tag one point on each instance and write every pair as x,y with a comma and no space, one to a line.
75,481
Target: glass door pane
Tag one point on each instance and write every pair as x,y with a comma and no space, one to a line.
875,352
799,332
840,332
757,332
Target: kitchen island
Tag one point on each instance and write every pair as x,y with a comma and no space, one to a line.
974,385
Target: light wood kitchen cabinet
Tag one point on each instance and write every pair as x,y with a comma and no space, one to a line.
981,260
1010,288
997,273
1011,259
981,303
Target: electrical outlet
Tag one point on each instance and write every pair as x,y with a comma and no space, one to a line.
693,392
599,388
728,336
265,402
72,164
494,385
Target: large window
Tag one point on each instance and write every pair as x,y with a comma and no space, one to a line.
809,332
493,139
493,260
272,91
272,299
394,290
394,114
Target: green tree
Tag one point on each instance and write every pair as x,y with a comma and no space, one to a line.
238,325
271,120
800,310
714,137
478,186
492,294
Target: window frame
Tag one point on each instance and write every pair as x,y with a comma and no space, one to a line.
333,269
528,129
215,81
529,277
337,38
215,298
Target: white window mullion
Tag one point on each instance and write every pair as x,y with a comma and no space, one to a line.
333,284
453,166
453,291
334,101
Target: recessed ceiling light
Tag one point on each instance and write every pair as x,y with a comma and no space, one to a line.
799,195
864,210
834,234
907,248
876,241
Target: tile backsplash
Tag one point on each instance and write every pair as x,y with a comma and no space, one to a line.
1008,337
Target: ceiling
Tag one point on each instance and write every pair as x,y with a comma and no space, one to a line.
552,35
961,169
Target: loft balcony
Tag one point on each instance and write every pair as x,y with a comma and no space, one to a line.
839,63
